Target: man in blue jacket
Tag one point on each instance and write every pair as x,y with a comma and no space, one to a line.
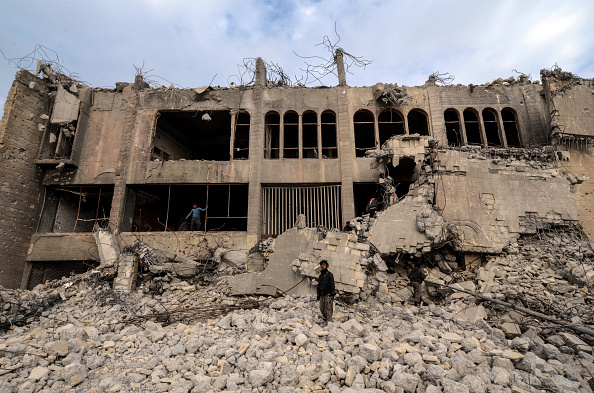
195,215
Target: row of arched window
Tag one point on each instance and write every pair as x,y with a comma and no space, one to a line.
482,128
292,137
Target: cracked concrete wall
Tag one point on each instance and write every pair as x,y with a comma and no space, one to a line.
492,202
20,178
571,103
581,164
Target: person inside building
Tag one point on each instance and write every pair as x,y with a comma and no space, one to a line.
371,207
348,227
416,280
195,216
326,291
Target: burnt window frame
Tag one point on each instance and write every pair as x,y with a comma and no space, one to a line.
328,151
422,113
506,124
383,127
272,129
472,122
458,133
492,128
309,126
291,133
358,130
240,128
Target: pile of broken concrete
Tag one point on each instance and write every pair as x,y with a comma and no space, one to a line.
191,338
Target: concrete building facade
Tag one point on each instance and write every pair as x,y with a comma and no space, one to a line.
256,157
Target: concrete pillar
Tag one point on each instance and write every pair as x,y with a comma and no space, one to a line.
260,72
338,58
254,222
345,153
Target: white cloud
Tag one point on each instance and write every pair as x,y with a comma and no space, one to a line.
188,42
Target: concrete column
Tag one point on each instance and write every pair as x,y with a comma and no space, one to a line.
463,128
254,221
340,68
260,72
118,204
346,154
482,128
502,136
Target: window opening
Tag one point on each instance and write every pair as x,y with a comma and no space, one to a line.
195,135
241,142
57,144
282,205
291,135
390,122
165,207
364,125
452,124
329,144
510,127
471,123
74,209
491,127
309,129
418,122
272,135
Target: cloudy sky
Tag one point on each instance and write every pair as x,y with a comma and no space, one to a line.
191,42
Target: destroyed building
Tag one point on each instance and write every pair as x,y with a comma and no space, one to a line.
483,164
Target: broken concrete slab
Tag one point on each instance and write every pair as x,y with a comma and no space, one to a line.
65,108
107,246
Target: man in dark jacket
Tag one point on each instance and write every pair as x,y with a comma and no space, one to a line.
326,291
416,279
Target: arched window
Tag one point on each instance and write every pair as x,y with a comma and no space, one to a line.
417,122
272,135
364,132
241,142
491,127
452,124
510,127
390,122
329,140
309,134
291,135
473,130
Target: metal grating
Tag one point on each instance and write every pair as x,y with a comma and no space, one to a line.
281,207
46,271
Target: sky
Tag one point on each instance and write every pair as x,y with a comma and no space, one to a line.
192,43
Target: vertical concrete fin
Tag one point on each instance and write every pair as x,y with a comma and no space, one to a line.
338,58
260,72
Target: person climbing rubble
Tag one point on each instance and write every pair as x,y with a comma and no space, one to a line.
348,227
326,291
195,216
416,280
371,207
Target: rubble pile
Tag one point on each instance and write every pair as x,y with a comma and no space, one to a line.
94,339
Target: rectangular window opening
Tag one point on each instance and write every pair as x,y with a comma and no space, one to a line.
165,207
195,135
310,140
75,209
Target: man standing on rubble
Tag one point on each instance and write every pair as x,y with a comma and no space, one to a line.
416,280
195,215
326,291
